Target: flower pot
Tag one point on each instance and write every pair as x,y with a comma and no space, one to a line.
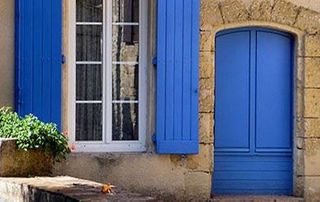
19,163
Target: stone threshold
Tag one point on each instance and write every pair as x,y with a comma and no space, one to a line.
62,189
253,198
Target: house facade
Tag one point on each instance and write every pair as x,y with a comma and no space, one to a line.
178,98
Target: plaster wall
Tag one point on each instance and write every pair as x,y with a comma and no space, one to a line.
6,52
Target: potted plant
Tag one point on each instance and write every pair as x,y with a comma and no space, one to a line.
28,146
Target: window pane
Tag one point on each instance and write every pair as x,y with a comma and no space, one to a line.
89,122
125,82
89,11
89,82
125,43
125,10
89,40
125,122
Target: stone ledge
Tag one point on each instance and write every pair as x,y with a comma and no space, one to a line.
62,188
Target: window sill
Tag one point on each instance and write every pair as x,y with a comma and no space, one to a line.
112,147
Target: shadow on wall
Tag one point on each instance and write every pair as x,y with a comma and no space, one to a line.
7,53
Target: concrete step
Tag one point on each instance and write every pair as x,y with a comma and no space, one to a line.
249,198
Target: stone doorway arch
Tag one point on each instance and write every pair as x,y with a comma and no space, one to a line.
304,24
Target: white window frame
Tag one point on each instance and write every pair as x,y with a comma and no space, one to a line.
107,144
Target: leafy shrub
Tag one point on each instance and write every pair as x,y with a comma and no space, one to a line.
31,133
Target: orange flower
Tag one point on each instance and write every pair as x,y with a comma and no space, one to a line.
107,188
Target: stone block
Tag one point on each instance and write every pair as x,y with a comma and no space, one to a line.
198,186
284,12
312,189
312,149
210,14
234,11
312,46
307,158
312,72
206,41
261,10
206,95
203,160
312,127
206,128
19,163
206,64
312,103
308,21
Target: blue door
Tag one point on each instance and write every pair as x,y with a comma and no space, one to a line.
253,112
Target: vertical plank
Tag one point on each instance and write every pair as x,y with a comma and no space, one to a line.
161,71
195,70
27,58
47,64
37,103
178,68
170,65
187,54
56,71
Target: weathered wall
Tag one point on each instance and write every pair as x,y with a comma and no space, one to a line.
6,52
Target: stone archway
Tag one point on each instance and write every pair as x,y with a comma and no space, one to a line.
217,15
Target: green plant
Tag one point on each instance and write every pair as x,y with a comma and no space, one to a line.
31,133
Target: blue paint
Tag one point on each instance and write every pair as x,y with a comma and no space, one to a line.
38,40
177,77
253,112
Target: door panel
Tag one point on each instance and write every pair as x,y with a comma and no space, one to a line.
253,112
234,80
273,97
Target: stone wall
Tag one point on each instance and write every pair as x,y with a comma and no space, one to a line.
217,15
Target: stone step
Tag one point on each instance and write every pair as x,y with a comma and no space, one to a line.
63,188
250,198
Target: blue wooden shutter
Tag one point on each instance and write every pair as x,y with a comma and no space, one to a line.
38,59
177,76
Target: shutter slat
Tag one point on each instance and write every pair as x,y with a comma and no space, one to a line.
38,50
177,77
37,53
178,80
187,54
56,81
170,57
195,69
